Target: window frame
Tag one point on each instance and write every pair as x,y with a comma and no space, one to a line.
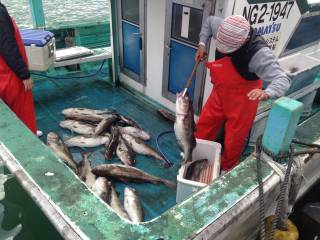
286,52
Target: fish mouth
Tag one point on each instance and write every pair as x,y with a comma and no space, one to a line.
52,137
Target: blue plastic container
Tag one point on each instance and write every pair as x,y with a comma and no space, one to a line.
36,37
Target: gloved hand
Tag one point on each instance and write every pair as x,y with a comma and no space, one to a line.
257,94
201,52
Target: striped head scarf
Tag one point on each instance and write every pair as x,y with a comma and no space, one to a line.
232,34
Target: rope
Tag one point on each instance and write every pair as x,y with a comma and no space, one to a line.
280,219
261,192
73,77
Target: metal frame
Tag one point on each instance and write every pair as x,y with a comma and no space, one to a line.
143,32
37,12
207,7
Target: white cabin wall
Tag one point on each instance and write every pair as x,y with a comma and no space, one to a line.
155,30
223,9
156,12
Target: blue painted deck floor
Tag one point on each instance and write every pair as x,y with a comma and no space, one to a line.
52,96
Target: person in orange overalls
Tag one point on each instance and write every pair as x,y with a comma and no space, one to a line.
15,81
243,60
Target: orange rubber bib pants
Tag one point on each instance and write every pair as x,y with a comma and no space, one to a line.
12,90
229,106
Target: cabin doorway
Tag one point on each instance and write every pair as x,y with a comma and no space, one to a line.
132,38
183,25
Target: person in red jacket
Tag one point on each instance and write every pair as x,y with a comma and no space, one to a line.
15,80
243,61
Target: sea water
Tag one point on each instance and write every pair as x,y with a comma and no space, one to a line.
60,12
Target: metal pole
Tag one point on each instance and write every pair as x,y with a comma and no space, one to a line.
37,12
114,41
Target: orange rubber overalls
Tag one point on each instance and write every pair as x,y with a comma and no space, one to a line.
229,106
12,90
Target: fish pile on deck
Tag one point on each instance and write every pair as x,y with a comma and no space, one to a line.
122,137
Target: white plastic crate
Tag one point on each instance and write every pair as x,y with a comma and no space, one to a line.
40,48
204,150
41,58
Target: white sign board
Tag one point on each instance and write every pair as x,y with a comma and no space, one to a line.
185,22
275,21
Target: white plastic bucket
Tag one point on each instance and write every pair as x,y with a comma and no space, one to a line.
204,150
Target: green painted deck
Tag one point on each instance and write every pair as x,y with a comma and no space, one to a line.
179,222
52,96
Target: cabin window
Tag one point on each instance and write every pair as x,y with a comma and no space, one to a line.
183,29
130,11
307,33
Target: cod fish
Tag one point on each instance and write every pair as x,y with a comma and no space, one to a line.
78,127
129,121
132,205
81,141
116,205
184,126
195,169
138,146
61,150
84,170
128,173
124,153
111,146
86,111
87,115
105,124
136,132
102,187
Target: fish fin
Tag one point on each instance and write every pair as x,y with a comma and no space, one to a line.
126,181
168,183
166,164
107,157
85,155
166,115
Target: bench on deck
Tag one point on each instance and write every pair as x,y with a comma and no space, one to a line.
99,54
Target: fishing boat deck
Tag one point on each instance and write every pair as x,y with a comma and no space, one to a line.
83,212
54,95
89,216
69,204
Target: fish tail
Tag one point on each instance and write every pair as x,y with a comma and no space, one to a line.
166,163
85,155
